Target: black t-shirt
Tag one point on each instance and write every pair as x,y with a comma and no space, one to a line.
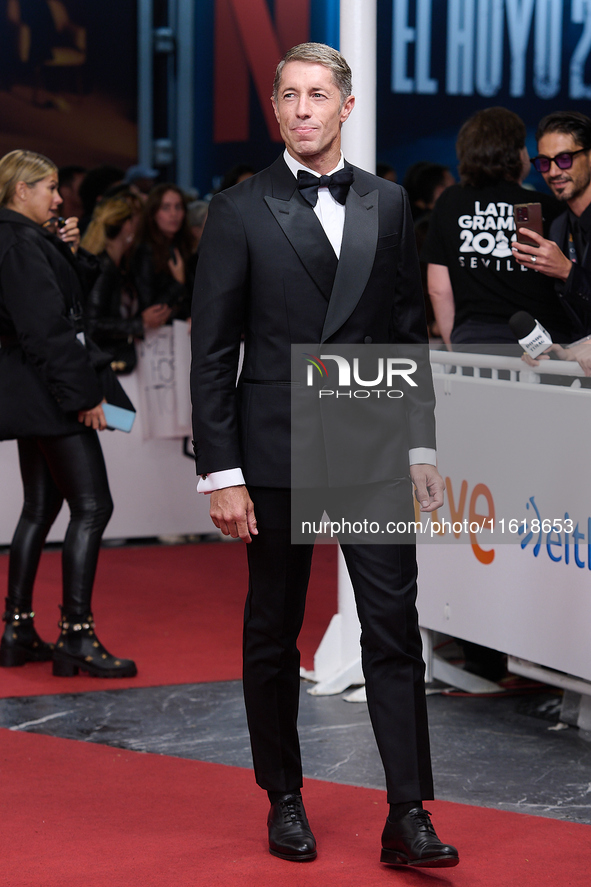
471,232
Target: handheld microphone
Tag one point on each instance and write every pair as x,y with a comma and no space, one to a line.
530,334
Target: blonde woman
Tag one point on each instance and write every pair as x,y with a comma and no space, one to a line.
51,403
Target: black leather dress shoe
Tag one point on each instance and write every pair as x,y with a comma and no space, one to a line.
412,841
290,835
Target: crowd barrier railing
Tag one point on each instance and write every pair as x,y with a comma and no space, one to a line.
513,446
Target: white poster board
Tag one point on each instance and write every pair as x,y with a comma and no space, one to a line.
163,366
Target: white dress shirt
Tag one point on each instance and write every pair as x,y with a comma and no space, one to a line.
331,215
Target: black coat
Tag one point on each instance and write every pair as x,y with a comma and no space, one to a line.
46,375
575,291
111,331
267,269
159,287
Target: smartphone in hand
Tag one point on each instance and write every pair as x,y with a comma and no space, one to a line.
528,215
118,418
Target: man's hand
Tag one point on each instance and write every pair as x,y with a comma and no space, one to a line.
534,361
547,257
429,486
232,512
581,353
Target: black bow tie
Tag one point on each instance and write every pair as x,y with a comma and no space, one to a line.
338,184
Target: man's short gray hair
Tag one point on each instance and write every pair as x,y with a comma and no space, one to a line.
318,54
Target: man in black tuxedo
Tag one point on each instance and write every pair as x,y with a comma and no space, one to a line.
564,159
283,262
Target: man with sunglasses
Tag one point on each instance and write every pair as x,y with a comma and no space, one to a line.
564,160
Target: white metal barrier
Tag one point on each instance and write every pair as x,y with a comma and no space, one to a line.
517,450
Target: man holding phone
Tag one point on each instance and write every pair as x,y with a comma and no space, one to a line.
474,282
564,160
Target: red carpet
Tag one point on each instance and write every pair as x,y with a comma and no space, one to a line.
176,610
83,815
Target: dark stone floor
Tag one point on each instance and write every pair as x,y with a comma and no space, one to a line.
503,752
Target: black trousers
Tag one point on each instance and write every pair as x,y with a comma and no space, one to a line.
69,467
384,579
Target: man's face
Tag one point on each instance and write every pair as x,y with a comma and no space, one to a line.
309,112
566,184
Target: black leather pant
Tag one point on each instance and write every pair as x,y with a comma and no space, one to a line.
69,467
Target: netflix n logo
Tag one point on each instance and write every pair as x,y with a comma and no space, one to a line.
248,45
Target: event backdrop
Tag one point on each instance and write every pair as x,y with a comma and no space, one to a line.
68,83
438,62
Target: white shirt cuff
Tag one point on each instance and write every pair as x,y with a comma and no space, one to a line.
423,455
218,480
233,477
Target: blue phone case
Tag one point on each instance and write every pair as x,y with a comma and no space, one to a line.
118,418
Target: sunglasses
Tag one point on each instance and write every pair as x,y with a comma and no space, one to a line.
564,160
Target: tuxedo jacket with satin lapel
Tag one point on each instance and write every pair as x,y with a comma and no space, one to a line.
267,269
575,292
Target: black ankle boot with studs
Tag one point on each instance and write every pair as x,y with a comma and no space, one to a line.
79,649
20,642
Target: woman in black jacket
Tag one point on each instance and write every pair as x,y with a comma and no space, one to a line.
51,402
162,267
